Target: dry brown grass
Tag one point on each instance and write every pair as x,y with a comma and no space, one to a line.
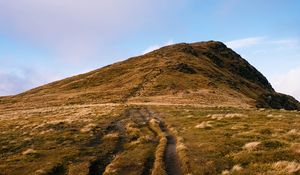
251,146
287,167
241,142
44,137
159,167
204,125
245,142
29,151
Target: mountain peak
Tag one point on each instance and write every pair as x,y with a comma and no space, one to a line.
202,73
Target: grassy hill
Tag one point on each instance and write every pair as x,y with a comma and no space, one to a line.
181,109
203,73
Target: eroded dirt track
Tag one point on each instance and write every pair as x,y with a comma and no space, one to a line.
111,162
170,157
140,117
171,161
89,140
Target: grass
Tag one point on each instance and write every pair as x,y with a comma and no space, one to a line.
236,141
159,167
45,140
87,140
77,140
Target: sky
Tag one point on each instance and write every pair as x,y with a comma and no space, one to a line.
46,40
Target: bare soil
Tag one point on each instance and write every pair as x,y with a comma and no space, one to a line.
171,159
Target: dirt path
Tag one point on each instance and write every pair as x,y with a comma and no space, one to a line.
171,159
140,117
135,115
170,156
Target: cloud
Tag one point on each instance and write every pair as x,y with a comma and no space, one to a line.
76,29
72,35
276,57
18,81
157,46
245,42
286,43
288,83
11,84
289,43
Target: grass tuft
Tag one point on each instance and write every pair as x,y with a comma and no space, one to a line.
204,125
159,167
287,167
251,146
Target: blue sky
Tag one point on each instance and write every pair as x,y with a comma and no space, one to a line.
43,41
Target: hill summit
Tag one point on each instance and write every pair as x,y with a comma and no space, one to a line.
202,73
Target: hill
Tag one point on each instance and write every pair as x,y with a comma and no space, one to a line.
182,109
202,73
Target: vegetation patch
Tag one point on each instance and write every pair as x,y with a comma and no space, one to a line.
240,141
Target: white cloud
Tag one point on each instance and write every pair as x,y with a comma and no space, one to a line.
289,43
274,52
245,42
77,29
288,83
19,81
157,46
73,33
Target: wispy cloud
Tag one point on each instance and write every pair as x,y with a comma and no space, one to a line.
266,51
76,29
18,81
288,83
289,43
157,46
245,42
252,41
74,34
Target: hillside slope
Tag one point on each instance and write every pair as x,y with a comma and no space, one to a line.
203,73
